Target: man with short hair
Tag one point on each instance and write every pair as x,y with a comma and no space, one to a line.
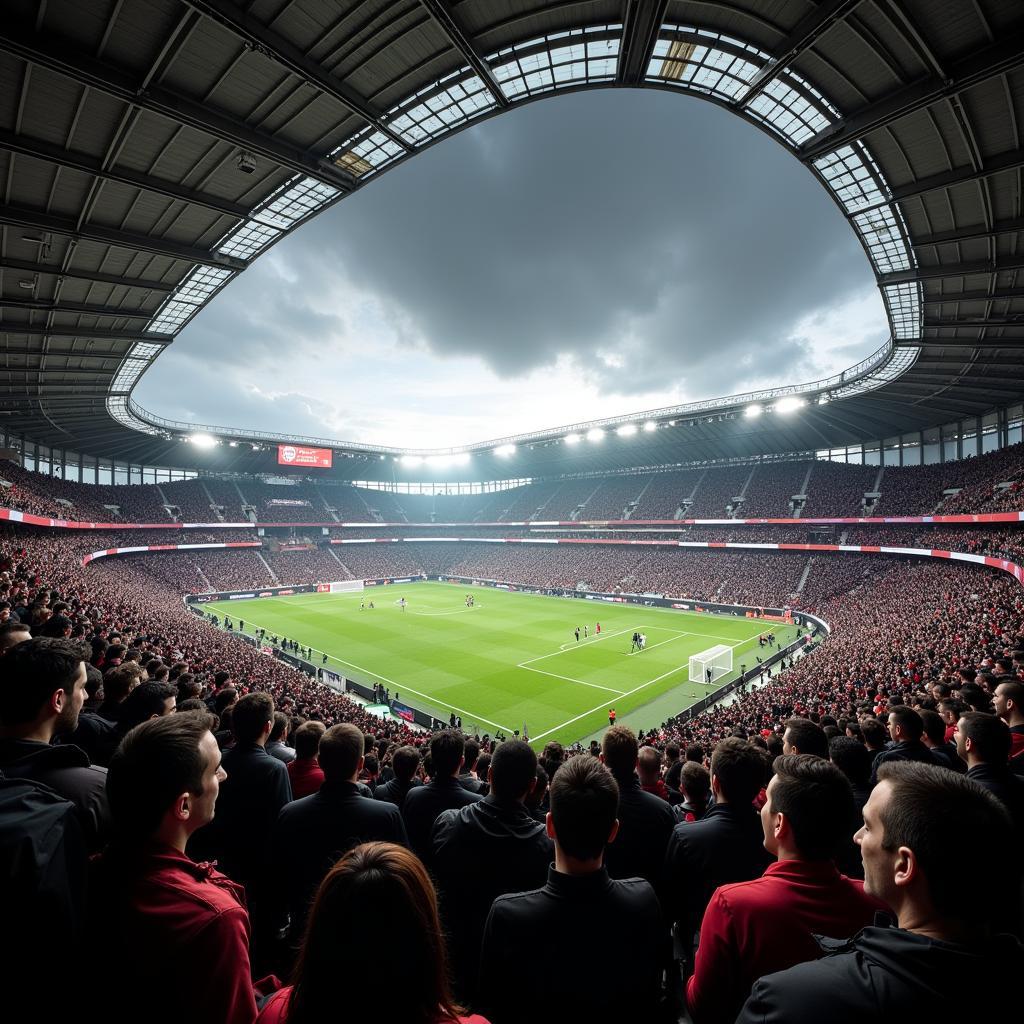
312,833
726,845
305,773
755,928
1008,701
645,820
176,931
276,744
41,696
468,776
927,968
648,770
905,729
404,763
485,849
802,736
584,947
444,791
983,741
13,633
934,738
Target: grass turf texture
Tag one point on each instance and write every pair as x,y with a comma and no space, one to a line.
513,658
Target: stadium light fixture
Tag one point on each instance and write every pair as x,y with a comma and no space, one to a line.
597,434
626,430
573,438
504,450
753,411
203,440
787,405
412,460
650,426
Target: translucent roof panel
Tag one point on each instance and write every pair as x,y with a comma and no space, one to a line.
706,62
366,152
567,58
172,316
881,232
904,304
249,239
295,201
854,177
201,284
794,109
431,112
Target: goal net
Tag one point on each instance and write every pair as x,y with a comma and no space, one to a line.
710,665
346,585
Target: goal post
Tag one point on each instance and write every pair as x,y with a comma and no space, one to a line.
716,660
346,586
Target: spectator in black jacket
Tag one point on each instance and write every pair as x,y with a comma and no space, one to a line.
312,833
584,947
934,738
928,968
41,695
905,728
277,745
468,776
444,791
485,849
404,763
802,736
853,759
726,845
645,820
983,741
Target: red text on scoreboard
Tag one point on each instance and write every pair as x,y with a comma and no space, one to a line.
296,455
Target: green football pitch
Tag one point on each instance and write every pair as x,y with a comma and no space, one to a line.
512,660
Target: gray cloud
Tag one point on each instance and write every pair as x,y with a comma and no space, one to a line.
649,228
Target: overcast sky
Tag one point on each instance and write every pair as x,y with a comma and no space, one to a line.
585,256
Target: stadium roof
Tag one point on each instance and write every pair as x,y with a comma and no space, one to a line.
151,149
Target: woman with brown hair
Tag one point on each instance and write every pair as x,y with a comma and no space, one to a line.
377,899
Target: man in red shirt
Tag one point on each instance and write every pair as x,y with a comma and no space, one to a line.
755,928
304,771
177,930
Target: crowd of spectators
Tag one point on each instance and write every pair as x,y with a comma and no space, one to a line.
714,495
771,489
838,489
666,493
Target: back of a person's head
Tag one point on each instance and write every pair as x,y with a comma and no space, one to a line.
934,726
404,762
852,758
513,770
694,752
280,726
649,764
33,671
909,721
472,753
12,634
875,734
989,735
696,781
584,803
341,747
376,895
447,748
808,737
145,701
224,699
739,768
154,764
307,739
119,681
816,799
250,715
554,753
620,750
950,823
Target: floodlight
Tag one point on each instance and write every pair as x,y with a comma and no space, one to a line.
786,405
626,430
650,426
505,450
597,434
203,440
573,438
753,411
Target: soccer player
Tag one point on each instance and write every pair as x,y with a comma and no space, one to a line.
577,634
611,716
643,641
598,628
401,603
586,631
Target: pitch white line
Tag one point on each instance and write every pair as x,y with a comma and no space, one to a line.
569,679
473,717
659,644
628,693
573,646
458,611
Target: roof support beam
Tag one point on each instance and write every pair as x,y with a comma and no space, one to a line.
40,150
1008,161
247,28
979,345
975,231
975,322
981,295
37,351
84,275
443,17
979,67
84,308
57,55
40,331
816,23
953,270
640,27
36,220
